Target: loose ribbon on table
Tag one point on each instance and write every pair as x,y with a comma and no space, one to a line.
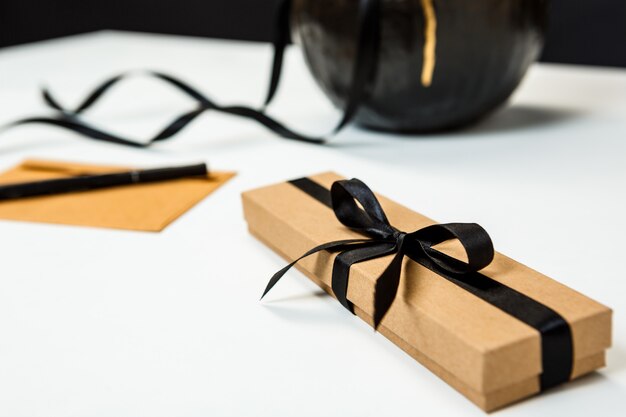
360,88
357,208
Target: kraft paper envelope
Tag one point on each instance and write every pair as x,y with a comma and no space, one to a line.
148,207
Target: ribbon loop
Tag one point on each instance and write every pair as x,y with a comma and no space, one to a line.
370,219
474,239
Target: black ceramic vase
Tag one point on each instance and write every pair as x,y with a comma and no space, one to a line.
442,63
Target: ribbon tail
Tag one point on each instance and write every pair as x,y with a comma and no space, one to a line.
344,261
387,288
336,245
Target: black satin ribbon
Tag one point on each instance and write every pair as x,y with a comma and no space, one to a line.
361,86
356,207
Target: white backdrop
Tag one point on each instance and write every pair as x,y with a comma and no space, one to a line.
98,322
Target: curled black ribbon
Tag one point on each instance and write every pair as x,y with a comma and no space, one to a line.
384,239
361,86
357,208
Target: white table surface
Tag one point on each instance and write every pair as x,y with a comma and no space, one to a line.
97,322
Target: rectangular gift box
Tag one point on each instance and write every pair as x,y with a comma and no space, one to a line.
489,356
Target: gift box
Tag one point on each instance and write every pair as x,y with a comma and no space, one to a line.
494,329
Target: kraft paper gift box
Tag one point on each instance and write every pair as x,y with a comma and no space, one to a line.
485,353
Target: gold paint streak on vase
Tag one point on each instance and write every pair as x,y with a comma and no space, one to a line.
430,42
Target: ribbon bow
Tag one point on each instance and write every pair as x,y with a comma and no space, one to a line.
356,207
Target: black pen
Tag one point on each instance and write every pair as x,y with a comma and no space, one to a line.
93,182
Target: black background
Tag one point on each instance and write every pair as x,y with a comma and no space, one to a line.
591,32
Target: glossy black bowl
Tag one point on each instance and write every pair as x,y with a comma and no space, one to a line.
443,63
